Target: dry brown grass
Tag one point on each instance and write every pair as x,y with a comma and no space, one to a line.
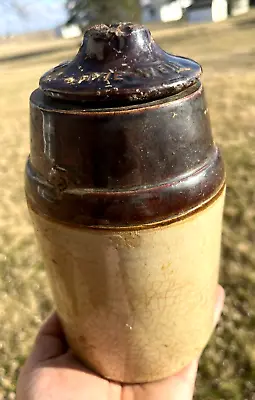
227,52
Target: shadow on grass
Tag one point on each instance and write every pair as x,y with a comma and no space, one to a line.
235,61
247,23
32,54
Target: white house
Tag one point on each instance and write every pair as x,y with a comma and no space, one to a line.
208,10
69,31
163,10
171,12
238,7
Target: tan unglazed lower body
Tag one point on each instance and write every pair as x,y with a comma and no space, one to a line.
136,305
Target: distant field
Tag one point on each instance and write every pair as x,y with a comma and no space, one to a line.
227,53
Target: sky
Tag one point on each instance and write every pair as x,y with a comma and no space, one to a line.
38,15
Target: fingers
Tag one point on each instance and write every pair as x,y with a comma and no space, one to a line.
51,326
50,341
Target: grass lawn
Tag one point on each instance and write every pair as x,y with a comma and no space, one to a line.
227,52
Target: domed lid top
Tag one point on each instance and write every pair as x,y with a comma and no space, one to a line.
120,62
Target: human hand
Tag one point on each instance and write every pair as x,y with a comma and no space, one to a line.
53,373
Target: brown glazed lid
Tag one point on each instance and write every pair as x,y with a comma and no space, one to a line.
119,62
121,136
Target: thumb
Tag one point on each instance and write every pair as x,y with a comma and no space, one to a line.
50,341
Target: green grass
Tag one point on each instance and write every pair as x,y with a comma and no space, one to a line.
227,53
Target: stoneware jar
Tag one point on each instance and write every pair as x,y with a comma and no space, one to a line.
125,186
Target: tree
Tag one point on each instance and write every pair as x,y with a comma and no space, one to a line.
85,12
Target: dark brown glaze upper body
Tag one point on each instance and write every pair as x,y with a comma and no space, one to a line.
120,136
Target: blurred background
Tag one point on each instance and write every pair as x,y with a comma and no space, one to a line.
220,34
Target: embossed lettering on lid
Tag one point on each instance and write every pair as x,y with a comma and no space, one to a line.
120,62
